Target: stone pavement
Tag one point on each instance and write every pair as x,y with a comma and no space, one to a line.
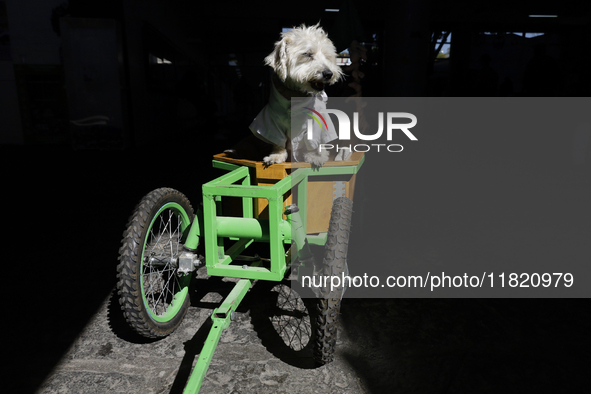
384,346
107,358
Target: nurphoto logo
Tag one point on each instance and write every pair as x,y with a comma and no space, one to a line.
393,125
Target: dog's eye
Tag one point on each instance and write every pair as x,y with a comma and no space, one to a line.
307,54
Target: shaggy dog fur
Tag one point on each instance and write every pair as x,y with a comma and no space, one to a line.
304,62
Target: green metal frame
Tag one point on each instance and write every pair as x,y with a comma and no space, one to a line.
211,229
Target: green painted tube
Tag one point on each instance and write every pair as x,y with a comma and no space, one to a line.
196,378
194,235
221,318
249,228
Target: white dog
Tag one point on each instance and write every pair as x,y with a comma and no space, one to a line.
304,62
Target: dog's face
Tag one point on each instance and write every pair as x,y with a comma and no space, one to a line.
305,59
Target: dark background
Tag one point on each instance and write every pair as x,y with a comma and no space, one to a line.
68,189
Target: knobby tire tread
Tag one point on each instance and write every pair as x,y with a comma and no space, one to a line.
334,263
130,298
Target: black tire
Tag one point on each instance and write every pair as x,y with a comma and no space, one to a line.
154,299
334,263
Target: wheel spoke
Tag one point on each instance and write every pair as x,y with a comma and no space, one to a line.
291,320
163,246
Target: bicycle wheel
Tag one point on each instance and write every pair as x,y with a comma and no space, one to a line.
153,296
284,322
334,264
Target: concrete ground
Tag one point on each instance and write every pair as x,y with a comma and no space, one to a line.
384,346
104,358
62,331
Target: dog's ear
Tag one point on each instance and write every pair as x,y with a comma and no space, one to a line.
278,59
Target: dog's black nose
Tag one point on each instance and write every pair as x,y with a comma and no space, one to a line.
327,74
